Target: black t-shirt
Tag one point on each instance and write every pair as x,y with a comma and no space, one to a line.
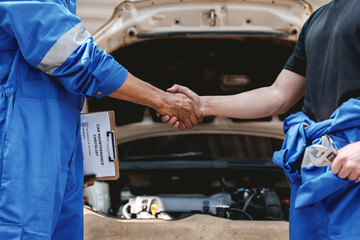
327,53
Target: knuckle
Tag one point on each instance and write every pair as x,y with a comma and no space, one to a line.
341,159
350,167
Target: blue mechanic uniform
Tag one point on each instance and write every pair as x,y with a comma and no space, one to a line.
48,65
327,53
322,205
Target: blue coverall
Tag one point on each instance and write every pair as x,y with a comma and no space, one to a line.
48,65
322,205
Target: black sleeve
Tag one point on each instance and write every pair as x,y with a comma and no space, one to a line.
297,61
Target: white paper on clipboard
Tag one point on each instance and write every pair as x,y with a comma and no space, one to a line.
98,144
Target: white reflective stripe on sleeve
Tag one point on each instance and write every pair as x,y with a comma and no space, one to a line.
63,48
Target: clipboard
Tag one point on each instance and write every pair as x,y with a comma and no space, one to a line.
98,140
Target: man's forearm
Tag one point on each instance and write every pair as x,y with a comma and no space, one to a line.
140,92
261,102
254,104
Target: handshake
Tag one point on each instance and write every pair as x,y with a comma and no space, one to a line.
179,106
182,109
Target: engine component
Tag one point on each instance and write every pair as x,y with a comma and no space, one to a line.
272,204
163,206
262,203
221,210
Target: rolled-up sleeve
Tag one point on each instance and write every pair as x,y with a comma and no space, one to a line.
90,71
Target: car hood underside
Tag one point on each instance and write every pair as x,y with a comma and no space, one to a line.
134,21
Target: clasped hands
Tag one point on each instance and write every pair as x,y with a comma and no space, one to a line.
183,109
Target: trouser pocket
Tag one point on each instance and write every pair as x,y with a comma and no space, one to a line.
10,231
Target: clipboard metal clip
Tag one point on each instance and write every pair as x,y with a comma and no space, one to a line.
111,145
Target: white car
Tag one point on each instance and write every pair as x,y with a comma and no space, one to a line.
216,181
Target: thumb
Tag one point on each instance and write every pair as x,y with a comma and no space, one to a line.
186,91
181,89
173,89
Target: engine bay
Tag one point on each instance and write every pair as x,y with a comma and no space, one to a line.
256,204
174,177
163,195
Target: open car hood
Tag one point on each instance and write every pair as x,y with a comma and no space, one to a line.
139,21
224,167
134,21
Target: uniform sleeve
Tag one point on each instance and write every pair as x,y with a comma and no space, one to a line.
54,40
297,61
